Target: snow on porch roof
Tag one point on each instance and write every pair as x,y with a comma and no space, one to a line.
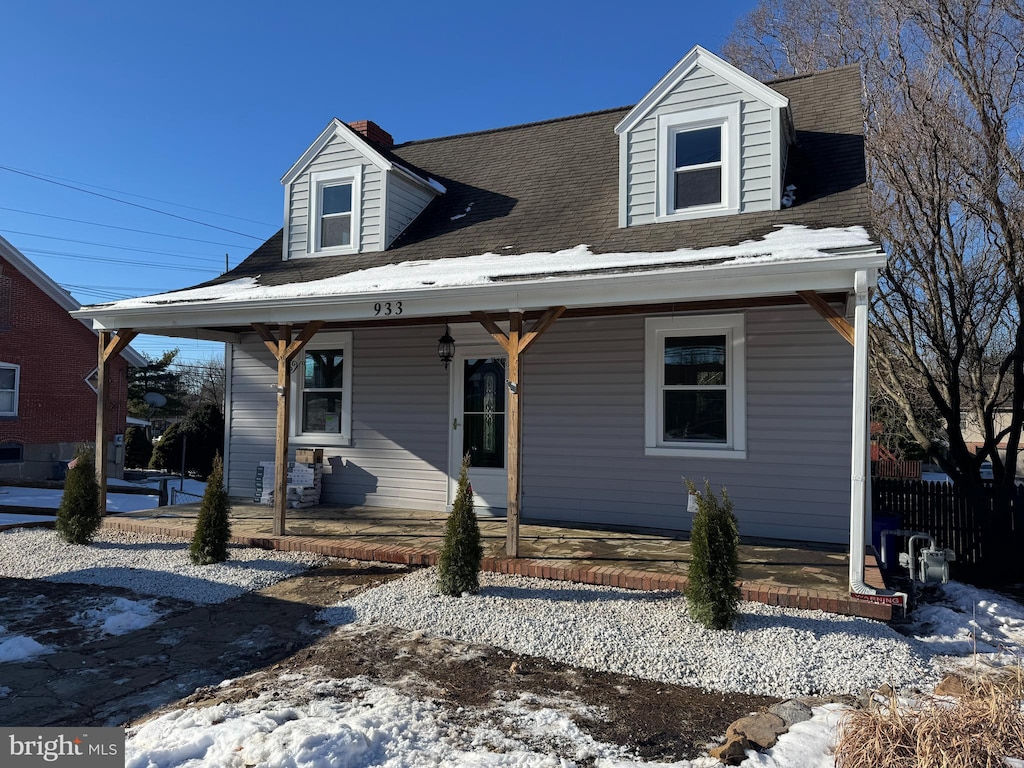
788,244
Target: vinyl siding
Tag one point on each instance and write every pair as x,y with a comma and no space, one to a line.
337,154
583,427
698,90
405,202
398,453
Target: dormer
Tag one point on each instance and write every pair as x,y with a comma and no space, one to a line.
346,195
707,140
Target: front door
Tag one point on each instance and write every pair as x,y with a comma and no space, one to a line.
479,423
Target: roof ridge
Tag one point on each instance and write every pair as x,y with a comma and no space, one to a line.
805,75
513,127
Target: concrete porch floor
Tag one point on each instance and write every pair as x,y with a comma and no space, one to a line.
796,576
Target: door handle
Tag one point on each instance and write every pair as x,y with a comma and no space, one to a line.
455,424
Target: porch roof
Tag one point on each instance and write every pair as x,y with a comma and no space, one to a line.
790,259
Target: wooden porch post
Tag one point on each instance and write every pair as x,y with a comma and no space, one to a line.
102,380
284,351
109,347
515,424
515,343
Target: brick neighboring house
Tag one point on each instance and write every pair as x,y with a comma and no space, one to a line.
47,375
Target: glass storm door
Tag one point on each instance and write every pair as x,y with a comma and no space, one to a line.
479,428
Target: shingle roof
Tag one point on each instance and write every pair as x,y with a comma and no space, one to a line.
553,185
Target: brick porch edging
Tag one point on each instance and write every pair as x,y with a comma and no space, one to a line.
625,578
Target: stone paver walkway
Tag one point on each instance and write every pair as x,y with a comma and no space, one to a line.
112,680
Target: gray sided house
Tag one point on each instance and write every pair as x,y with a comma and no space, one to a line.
636,296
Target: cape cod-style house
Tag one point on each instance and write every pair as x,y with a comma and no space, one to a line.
627,297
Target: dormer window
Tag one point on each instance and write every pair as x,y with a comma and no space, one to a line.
698,163
334,223
336,215
697,167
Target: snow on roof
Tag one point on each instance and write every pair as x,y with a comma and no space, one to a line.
787,244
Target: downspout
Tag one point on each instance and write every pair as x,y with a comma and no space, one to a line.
859,454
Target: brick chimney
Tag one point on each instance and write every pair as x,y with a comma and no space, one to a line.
373,133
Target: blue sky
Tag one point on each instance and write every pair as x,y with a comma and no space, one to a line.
207,104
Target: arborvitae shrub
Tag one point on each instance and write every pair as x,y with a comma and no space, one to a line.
79,515
712,593
458,565
213,528
137,448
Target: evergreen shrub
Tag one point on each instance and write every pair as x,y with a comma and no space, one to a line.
79,515
458,565
712,593
137,448
213,528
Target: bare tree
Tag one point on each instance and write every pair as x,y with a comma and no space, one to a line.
204,380
944,149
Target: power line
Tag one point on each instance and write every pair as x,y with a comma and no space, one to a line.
108,260
49,176
194,256
128,202
123,229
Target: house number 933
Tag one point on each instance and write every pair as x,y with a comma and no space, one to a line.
385,308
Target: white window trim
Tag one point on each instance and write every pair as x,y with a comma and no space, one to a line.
317,181
657,329
17,385
336,340
727,117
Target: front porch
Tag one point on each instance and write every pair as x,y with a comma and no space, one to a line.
788,575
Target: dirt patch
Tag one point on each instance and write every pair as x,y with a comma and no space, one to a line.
656,720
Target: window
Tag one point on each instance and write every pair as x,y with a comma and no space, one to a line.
334,209
695,392
698,163
11,453
9,375
697,167
322,382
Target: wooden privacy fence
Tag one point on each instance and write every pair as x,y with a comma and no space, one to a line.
987,542
896,468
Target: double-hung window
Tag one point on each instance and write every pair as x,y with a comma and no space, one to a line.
698,163
322,383
695,399
334,211
9,376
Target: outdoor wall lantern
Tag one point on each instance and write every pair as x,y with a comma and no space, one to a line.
446,347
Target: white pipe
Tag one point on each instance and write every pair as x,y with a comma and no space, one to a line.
860,450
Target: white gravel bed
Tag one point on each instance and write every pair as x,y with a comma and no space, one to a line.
772,651
151,565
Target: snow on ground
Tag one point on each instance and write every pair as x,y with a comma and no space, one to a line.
119,616
964,620
151,565
49,498
18,648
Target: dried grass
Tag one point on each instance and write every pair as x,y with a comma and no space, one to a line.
977,729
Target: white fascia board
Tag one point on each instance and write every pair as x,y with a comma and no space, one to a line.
336,128
699,56
727,281
435,188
